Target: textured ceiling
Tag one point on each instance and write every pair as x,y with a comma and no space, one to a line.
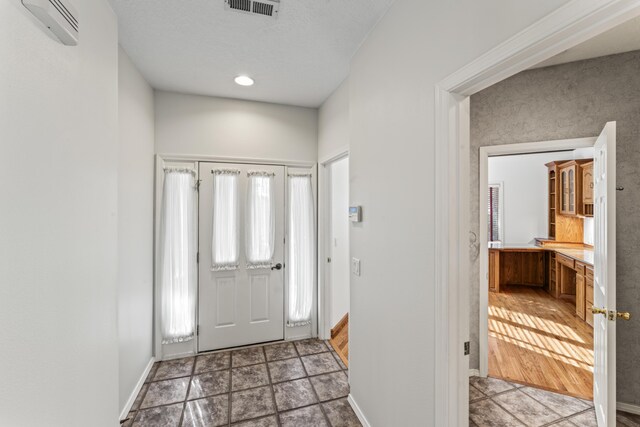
198,47
623,38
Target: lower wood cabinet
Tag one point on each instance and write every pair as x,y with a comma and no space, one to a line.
516,267
562,276
580,295
494,271
588,279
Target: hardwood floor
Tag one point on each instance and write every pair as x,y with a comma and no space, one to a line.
537,340
340,339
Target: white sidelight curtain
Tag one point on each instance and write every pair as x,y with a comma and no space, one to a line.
225,245
178,248
302,251
260,220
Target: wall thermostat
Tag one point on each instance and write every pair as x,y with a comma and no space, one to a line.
355,214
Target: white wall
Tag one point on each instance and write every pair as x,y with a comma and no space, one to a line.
135,225
58,221
391,119
525,194
333,124
339,250
221,127
191,124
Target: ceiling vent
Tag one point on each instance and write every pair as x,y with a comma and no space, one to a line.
59,16
263,7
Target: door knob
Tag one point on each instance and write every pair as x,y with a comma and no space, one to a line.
596,310
278,266
624,315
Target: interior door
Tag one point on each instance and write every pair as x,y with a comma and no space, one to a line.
604,286
241,290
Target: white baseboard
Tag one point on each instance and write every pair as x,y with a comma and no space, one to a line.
136,390
178,355
474,372
358,411
628,407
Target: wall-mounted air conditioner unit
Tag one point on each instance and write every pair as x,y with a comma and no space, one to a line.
59,16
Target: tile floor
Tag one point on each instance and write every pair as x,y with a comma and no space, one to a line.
493,402
300,384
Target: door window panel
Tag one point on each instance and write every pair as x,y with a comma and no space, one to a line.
225,245
301,242
178,247
260,220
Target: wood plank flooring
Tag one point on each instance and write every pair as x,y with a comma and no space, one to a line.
340,339
537,340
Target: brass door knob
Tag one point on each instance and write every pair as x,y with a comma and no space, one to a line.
596,310
624,315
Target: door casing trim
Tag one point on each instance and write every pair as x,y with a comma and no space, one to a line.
324,236
566,27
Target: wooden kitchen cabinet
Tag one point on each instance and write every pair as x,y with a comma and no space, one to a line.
566,276
516,267
588,278
494,271
580,290
571,188
587,189
567,185
552,282
562,228
552,171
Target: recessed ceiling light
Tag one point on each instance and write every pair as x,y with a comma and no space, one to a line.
244,81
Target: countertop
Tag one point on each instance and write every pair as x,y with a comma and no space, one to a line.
500,245
584,255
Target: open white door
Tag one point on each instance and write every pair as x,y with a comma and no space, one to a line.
604,284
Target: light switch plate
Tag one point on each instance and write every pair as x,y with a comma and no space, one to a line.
355,266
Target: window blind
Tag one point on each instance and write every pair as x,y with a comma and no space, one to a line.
494,214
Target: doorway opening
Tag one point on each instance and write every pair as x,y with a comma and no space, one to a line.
539,268
336,255
544,276
236,254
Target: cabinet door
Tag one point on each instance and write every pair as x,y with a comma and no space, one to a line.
580,296
564,186
494,271
572,190
587,184
588,314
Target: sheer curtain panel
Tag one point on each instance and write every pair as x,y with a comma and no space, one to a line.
178,247
225,245
301,250
260,220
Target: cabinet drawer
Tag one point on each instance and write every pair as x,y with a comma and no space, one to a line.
580,267
565,260
589,274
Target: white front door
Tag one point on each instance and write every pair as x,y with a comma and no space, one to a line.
241,255
604,283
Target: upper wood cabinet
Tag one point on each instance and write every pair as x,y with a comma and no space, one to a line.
587,189
571,187
554,196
